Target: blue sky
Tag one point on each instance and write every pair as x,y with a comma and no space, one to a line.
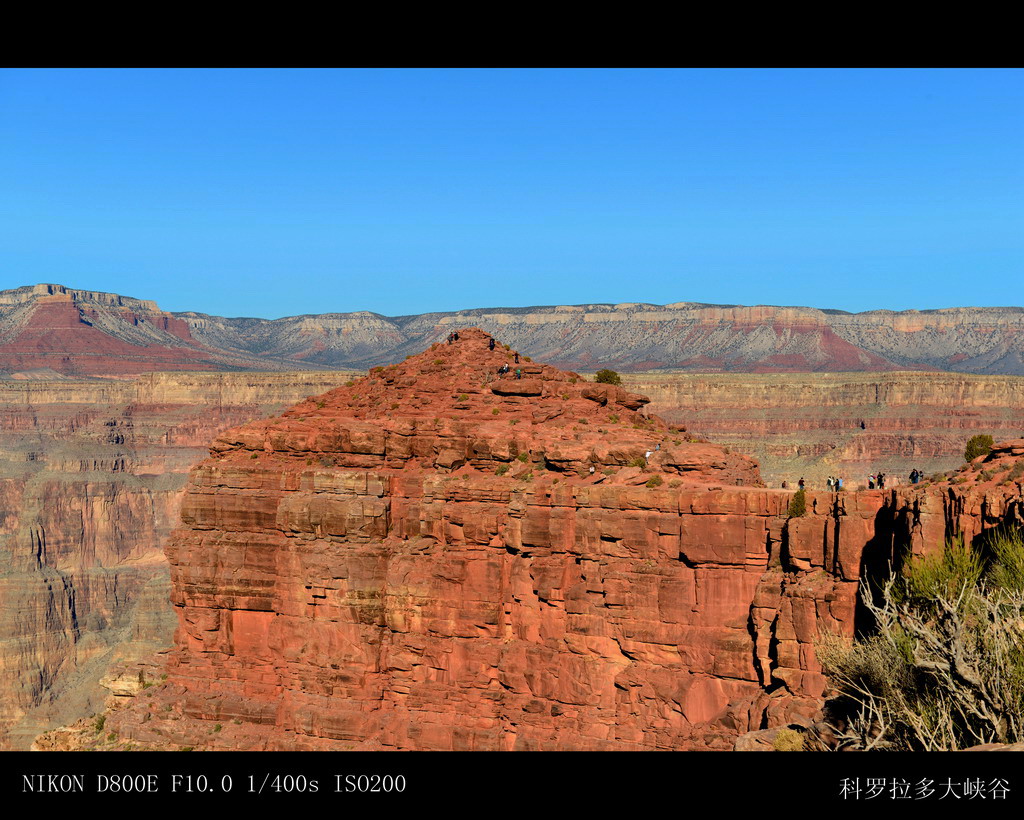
282,192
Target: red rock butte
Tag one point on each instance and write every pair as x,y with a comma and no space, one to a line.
423,559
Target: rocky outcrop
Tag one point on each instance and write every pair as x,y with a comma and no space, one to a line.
91,475
423,560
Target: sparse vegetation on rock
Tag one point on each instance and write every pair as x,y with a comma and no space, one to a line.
797,505
979,445
944,667
606,376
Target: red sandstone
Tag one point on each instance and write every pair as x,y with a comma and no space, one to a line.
357,574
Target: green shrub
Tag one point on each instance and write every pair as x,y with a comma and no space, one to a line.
639,461
501,470
607,377
944,667
1006,568
979,445
100,722
654,481
523,457
928,577
797,505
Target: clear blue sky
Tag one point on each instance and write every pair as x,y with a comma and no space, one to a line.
281,192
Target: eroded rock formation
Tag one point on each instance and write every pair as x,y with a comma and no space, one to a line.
84,332
423,560
91,475
811,424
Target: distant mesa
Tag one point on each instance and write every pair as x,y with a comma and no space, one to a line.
88,333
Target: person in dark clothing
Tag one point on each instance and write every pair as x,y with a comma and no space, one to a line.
881,481
456,335
490,344
862,427
517,357
800,483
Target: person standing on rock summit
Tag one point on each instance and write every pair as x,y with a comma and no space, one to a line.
490,344
517,357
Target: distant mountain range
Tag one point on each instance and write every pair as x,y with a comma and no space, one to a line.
87,333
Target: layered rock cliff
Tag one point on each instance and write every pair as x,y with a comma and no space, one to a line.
91,475
679,336
424,560
841,424
84,332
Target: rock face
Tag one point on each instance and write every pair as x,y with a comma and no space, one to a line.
680,336
91,475
84,332
810,425
424,560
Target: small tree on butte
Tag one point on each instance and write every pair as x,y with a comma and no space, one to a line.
980,445
607,377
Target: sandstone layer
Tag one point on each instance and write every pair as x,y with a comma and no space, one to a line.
91,475
63,331
811,425
680,336
425,561
85,332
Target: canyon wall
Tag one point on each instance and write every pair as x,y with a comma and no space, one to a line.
810,424
425,560
83,332
91,476
636,336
